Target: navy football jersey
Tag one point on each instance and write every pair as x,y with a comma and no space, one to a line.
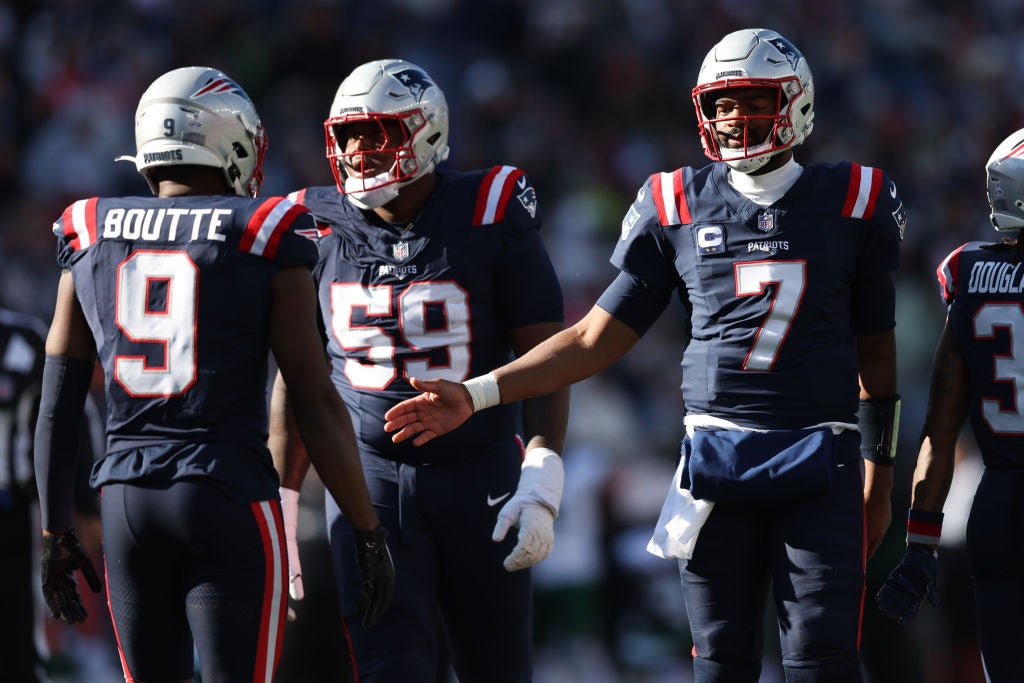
176,292
434,299
775,295
983,286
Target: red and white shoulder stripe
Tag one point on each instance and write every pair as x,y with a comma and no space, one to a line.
78,224
321,229
495,191
267,225
948,273
862,192
670,198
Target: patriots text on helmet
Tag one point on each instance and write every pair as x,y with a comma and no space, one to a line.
165,224
156,157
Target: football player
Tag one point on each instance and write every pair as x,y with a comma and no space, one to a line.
785,273
183,296
432,273
975,375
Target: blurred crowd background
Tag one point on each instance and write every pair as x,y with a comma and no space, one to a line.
589,97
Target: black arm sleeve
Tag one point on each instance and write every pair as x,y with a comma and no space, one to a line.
634,302
65,386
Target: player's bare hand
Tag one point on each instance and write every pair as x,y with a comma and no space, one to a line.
441,407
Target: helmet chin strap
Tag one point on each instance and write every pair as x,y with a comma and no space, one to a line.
371,193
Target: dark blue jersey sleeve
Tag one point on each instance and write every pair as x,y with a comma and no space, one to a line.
634,302
642,249
873,306
527,288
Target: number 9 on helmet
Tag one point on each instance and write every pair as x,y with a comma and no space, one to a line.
199,116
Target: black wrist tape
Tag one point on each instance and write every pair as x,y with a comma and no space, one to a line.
878,420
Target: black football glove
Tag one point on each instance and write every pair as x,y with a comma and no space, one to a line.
914,579
378,574
62,555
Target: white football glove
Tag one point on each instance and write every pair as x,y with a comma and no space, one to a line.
290,515
533,509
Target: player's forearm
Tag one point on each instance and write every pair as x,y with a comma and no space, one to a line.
545,420
876,357
934,472
65,387
286,447
944,419
327,431
574,354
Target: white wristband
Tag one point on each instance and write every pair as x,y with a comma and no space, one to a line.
542,478
483,390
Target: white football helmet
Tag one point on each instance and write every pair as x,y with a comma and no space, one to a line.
1004,173
198,115
755,58
379,91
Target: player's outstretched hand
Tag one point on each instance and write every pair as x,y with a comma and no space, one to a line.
290,516
377,572
62,555
914,579
441,407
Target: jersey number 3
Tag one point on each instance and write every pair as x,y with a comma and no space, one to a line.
1006,368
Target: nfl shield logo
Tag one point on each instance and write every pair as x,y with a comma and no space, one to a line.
766,222
400,250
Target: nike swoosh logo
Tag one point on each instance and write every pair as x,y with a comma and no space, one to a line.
641,194
892,190
521,182
491,502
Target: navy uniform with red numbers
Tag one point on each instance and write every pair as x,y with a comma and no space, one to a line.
189,490
182,296
976,377
776,297
784,273
441,294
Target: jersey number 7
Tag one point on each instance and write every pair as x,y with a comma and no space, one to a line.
790,278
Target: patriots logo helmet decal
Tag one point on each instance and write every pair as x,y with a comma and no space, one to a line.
219,86
787,49
416,81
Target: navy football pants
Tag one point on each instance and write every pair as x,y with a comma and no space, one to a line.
810,554
184,560
449,574
995,551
